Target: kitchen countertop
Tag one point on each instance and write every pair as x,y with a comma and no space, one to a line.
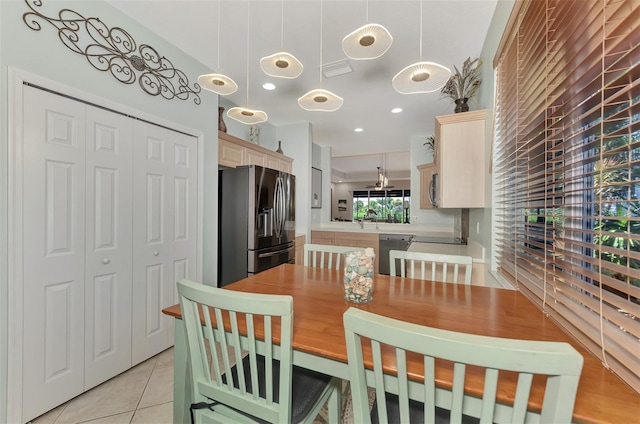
384,228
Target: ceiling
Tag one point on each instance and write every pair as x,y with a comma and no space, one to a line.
452,31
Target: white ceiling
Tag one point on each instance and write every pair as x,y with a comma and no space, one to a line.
452,31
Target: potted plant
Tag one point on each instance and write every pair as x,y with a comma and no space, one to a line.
430,144
464,84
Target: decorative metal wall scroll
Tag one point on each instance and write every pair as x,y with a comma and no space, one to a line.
114,50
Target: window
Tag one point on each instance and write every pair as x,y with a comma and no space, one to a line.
382,205
567,169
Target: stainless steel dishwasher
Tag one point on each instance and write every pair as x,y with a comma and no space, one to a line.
391,242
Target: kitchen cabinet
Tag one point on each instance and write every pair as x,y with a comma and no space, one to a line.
426,175
300,241
233,151
346,238
460,162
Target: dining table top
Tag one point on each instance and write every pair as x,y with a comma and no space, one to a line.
318,330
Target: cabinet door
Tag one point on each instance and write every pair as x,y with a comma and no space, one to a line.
230,154
53,246
273,163
461,159
164,240
108,260
285,166
426,176
253,157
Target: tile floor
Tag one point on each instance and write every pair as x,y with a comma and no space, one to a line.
143,394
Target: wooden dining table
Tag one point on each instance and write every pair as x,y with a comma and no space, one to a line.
319,341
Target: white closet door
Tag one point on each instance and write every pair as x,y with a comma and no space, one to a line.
164,223
54,250
108,250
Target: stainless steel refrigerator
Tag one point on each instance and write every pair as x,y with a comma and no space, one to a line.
256,226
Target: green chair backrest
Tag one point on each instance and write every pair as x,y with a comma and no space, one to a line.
326,256
431,266
559,362
206,311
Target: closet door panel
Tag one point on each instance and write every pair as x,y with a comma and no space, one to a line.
53,250
164,217
108,253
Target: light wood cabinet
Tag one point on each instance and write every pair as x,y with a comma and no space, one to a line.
300,241
460,139
426,174
351,239
233,151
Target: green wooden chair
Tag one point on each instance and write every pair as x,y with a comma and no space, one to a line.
431,266
326,256
560,363
258,387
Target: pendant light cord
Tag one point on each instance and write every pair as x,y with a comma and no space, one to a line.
320,43
248,20
218,40
420,30
282,25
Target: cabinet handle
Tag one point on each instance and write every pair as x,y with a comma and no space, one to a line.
106,261
156,253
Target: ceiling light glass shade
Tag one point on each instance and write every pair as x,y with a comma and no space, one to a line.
370,41
421,77
281,65
320,100
218,83
247,116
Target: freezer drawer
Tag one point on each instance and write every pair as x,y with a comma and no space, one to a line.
263,259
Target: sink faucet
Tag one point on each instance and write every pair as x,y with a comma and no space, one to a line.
361,222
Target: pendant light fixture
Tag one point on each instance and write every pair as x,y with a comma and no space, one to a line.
320,100
244,114
421,77
281,64
370,41
217,82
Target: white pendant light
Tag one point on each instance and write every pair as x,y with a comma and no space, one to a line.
281,64
217,82
245,114
421,77
320,100
370,41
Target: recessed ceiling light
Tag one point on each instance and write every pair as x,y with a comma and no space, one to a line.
269,86
358,130
396,110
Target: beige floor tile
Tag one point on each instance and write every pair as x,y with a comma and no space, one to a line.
145,367
159,414
113,419
118,395
165,359
51,416
159,389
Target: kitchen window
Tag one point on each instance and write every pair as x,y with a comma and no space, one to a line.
391,206
567,170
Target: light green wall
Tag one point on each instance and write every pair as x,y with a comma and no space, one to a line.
486,100
41,53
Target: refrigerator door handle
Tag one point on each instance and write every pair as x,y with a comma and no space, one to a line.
278,206
277,252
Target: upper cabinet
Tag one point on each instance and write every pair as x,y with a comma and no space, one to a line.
233,151
457,179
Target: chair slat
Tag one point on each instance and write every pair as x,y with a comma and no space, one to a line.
445,268
326,256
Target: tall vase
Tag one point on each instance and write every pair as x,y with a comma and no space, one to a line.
279,147
461,105
221,125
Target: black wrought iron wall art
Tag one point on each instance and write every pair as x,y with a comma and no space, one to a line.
113,50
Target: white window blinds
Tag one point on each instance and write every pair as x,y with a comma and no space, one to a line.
567,169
